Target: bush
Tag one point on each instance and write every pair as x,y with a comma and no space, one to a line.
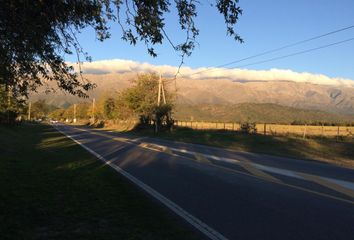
248,128
8,118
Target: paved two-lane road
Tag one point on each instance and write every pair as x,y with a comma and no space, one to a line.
232,195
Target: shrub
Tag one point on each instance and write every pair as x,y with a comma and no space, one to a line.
248,128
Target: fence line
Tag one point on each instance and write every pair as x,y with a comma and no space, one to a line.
273,129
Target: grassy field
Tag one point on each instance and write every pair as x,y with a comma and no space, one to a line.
51,188
325,149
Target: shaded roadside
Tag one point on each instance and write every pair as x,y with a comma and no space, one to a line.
54,189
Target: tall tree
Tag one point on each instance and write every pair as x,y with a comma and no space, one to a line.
35,35
141,99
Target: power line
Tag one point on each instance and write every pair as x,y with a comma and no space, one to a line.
276,49
296,53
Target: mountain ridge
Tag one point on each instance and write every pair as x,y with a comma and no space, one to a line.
329,98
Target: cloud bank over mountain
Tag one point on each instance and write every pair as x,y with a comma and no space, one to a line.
242,75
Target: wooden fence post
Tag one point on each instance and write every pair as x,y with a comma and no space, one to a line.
304,136
233,126
322,130
224,127
265,129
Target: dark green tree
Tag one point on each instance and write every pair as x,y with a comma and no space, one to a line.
40,109
10,107
163,117
109,108
35,35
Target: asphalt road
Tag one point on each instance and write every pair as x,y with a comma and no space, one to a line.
232,195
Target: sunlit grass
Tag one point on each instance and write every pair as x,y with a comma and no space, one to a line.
326,149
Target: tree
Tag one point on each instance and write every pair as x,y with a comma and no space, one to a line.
57,114
163,117
109,108
10,107
141,99
83,110
40,109
35,35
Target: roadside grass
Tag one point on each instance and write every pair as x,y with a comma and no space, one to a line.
51,188
325,149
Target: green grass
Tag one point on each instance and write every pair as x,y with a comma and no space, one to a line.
51,188
315,148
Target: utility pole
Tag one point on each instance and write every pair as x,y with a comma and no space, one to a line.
159,91
29,112
74,120
158,103
163,93
93,110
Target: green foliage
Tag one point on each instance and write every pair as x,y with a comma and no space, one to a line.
109,108
11,107
36,35
141,99
40,109
163,116
83,111
248,128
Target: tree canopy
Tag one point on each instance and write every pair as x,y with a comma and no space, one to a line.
140,98
35,35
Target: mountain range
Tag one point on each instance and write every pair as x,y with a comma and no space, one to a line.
336,99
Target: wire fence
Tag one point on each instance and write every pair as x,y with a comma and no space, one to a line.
273,129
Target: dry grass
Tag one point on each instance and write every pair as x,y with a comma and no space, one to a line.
275,129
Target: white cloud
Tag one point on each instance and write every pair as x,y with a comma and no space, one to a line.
123,66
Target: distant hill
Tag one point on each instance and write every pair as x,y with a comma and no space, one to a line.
329,98
255,112
336,99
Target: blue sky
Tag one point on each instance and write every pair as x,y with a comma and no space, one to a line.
264,25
